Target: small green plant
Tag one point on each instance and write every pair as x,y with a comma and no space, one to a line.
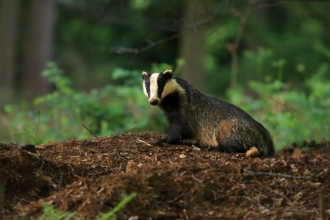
279,64
117,208
29,133
49,212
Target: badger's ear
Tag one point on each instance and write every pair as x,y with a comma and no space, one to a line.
144,74
168,74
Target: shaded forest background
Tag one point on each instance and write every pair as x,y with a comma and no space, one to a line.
71,68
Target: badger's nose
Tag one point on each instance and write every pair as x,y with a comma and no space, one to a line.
153,102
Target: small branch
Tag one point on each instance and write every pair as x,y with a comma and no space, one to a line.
193,27
322,205
300,210
91,132
233,47
198,180
295,114
185,214
253,201
275,175
68,193
144,142
176,198
59,191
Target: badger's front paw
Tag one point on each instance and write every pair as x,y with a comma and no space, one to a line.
170,140
160,142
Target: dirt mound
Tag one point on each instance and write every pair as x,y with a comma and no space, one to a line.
90,177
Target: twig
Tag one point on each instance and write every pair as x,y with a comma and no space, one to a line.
176,198
322,205
295,114
185,214
233,47
59,191
91,132
144,142
276,175
300,210
195,26
198,180
285,165
68,193
192,27
273,168
120,50
253,201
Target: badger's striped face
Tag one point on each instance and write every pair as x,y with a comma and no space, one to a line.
157,86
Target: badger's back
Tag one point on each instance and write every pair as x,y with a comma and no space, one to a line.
213,122
218,123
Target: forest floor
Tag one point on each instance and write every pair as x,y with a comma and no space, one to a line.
90,177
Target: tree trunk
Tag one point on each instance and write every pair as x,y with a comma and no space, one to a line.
9,23
193,44
37,47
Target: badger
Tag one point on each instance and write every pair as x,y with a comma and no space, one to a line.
210,121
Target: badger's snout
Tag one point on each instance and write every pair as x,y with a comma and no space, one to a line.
153,101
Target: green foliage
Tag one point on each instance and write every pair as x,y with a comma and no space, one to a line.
286,127
116,108
160,67
49,212
22,125
140,4
28,132
112,213
122,106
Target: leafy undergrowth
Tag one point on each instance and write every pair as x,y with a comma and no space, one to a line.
90,177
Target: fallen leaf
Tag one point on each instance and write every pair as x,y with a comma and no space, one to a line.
131,167
277,201
182,156
298,195
296,153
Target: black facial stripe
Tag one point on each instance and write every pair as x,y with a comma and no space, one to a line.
161,81
147,83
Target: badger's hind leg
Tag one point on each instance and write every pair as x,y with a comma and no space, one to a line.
229,137
250,138
230,145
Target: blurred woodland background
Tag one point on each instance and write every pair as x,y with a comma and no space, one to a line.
70,68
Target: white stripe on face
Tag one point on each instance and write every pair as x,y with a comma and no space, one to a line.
154,87
170,87
144,88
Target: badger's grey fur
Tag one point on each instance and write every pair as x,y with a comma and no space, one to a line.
212,122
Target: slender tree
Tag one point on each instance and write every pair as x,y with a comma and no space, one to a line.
193,43
9,22
37,47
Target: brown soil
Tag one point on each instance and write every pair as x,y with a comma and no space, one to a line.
91,177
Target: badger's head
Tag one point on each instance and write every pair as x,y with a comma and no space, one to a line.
156,86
